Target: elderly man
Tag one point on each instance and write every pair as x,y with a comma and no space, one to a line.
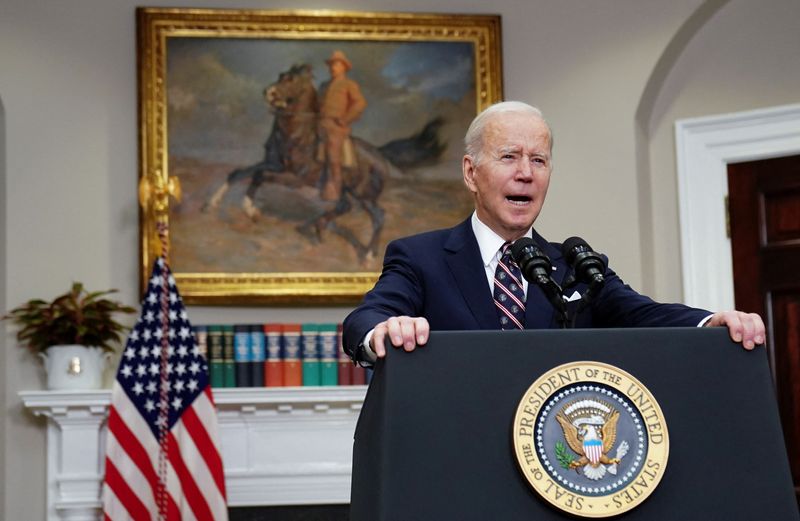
450,279
342,104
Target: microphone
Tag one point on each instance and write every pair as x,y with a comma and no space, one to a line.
532,261
536,267
589,267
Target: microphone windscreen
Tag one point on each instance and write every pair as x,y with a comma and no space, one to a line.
518,247
572,246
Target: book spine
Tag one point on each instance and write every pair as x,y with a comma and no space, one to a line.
257,355
311,355
292,366
274,364
344,364
241,345
359,375
217,374
328,347
228,356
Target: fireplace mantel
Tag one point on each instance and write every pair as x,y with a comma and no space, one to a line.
280,446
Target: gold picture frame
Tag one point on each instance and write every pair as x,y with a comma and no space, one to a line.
199,72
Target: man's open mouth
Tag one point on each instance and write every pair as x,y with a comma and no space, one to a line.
518,199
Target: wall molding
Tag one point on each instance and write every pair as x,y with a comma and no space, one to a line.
705,146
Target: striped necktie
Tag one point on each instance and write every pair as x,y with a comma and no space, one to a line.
509,296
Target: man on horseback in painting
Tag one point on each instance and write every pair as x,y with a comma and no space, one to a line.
341,104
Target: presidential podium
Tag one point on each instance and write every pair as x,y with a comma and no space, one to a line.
434,440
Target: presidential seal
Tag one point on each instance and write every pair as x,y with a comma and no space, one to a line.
590,439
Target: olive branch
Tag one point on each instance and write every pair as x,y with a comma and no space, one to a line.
564,458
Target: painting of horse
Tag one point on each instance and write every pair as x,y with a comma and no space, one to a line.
244,140
291,157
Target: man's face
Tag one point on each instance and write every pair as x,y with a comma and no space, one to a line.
337,68
510,182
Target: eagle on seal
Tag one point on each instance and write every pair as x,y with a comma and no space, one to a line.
592,438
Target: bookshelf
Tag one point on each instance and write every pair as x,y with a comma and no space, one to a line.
280,446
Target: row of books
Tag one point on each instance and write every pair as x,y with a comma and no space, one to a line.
277,355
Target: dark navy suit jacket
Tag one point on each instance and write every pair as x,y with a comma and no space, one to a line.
439,275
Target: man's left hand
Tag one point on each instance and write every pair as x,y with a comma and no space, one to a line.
746,328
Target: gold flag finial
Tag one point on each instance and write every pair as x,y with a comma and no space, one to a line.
154,194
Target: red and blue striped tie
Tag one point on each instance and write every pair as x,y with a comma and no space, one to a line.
509,296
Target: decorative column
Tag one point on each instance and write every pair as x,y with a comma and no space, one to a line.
75,450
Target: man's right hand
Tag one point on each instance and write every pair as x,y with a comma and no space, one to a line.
405,332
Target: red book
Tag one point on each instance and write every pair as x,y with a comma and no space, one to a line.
344,364
292,364
359,375
273,363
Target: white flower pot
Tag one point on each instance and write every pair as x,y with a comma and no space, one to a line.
74,367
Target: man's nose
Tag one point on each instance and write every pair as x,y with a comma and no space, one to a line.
525,168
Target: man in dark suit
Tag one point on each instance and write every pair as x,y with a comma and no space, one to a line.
461,278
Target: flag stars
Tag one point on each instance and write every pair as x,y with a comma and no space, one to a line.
149,406
149,317
182,351
177,403
134,336
184,333
194,368
152,298
141,371
155,351
170,348
173,298
173,315
126,371
180,369
151,387
138,388
158,333
147,335
179,386
192,385
143,352
154,369
130,353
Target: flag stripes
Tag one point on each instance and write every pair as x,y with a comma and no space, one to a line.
163,458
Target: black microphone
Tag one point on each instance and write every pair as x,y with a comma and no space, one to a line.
532,261
589,267
536,267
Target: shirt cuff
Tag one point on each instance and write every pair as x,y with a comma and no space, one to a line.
368,354
703,322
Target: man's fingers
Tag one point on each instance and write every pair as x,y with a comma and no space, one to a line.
422,329
377,340
746,328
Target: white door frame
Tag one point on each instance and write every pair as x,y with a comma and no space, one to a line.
705,146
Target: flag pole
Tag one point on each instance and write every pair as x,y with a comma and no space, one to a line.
154,196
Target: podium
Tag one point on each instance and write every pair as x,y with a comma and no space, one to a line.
434,439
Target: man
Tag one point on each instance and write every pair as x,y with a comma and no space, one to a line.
342,104
461,278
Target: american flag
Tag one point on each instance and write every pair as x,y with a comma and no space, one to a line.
163,458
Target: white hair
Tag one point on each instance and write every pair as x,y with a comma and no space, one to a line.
473,140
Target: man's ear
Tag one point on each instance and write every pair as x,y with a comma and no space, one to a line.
468,170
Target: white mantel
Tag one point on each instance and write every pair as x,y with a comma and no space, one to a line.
280,446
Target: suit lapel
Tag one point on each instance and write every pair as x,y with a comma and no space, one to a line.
464,259
539,313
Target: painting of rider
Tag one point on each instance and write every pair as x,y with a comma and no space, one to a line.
311,154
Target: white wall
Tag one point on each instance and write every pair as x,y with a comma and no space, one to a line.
746,57
68,84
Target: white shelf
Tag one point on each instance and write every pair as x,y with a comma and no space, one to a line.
280,445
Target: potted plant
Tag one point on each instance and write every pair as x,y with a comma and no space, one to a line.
74,334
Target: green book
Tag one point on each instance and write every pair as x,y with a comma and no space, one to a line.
214,346
328,347
309,343
228,356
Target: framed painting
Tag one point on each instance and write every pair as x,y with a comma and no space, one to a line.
303,142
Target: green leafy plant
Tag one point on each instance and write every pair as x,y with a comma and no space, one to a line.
564,458
76,317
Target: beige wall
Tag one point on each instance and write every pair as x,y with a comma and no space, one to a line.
68,85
